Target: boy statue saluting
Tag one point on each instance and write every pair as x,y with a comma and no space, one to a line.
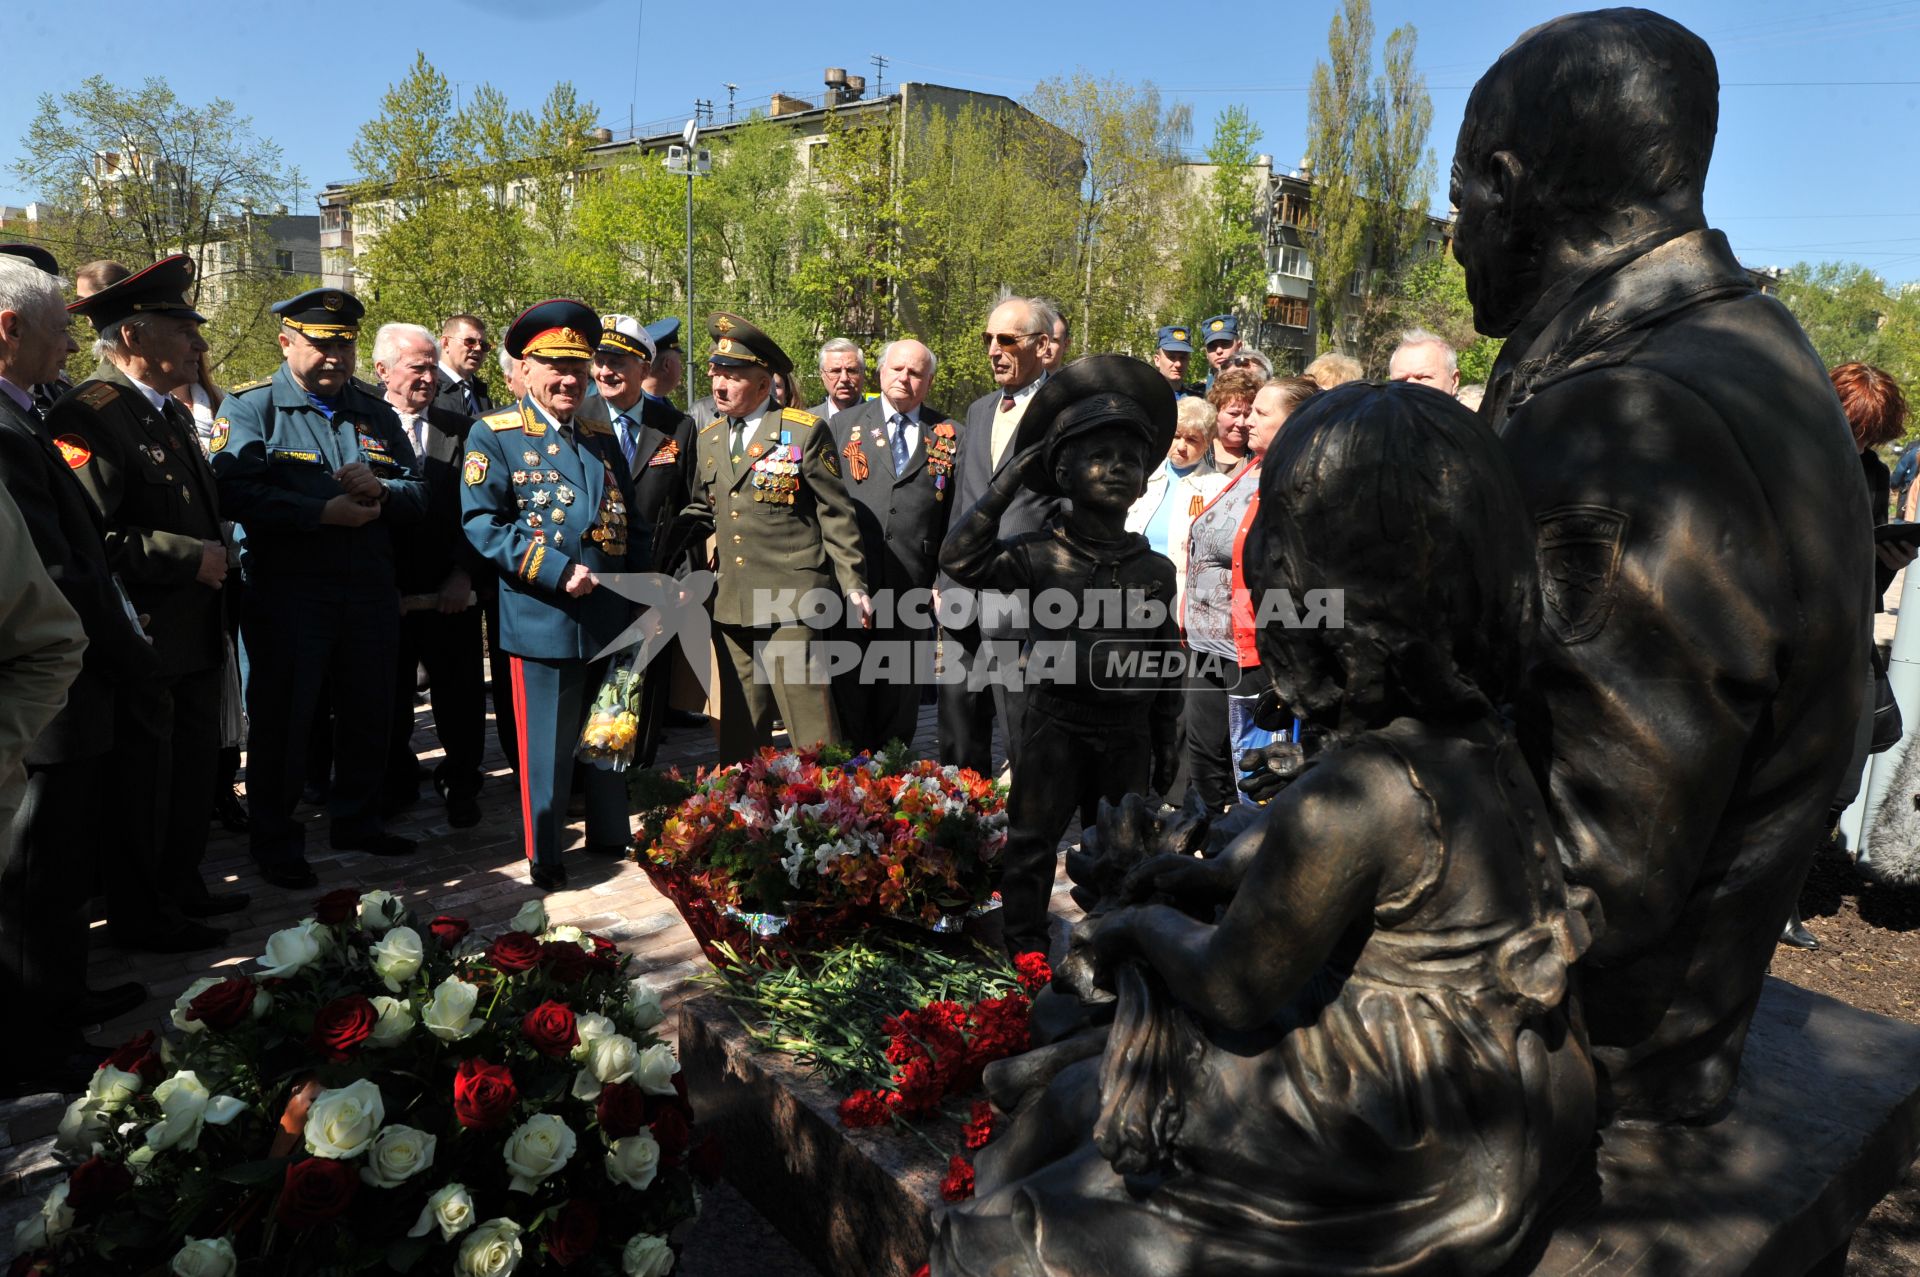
1100,723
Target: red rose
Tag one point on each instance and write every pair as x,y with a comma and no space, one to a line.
449,931
317,1190
863,1108
565,961
572,1233
483,1094
136,1055
958,1185
672,1134
342,1025
622,1110
336,907
96,1184
515,951
551,1028
606,954
225,1004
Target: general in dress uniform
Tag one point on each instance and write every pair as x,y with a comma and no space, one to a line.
316,470
545,498
784,525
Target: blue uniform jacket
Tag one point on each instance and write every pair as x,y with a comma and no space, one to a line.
275,454
534,504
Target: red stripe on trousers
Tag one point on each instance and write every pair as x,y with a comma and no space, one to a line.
520,717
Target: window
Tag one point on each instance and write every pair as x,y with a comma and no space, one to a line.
1290,311
1293,261
283,260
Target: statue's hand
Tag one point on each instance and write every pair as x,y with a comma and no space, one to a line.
1177,877
1137,828
1271,768
1086,971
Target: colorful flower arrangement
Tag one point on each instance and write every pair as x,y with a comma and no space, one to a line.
384,1093
829,832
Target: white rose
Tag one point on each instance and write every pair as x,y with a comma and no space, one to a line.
635,1160
450,1210
541,1146
647,1256
181,1004
185,1105
396,957
609,1059
212,1257
591,1027
571,934
643,1004
654,1069
396,1021
291,950
343,1121
397,1154
449,1014
49,1225
380,910
491,1250
531,919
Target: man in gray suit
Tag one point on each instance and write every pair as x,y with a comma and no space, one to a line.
898,456
843,370
980,647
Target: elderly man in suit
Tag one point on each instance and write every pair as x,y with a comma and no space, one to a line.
660,461
980,642
898,456
843,371
457,383
437,571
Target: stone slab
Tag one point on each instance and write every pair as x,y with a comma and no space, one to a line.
1825,1121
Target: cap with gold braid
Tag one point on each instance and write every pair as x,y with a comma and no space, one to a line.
557,329
738,344
625,335
160,289
320,314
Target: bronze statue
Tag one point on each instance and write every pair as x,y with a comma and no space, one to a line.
1096,728
1691,696
1344,1043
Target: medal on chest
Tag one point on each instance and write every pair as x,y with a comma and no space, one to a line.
856,458
940,449
776,474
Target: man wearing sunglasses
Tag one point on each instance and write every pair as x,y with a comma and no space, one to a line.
458,386
980,652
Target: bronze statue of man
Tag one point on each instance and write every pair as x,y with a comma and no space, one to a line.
1692,694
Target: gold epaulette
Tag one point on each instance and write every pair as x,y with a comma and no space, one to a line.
505,419
251,385
97,394
800,415
711,424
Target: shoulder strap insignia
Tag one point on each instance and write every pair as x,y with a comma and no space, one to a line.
505,419
251,385
97,394
596,428
801,416
717,421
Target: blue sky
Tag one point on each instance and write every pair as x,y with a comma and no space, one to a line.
1819,114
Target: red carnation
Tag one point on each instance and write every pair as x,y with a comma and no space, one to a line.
572,1233
672,1133
223,1005
483,1094
1032,971
622,1110
979,1129
552,1029
136,1055
336,907
863,1108
95,1185
958,1185
342,1026
565,961
317,1189
449,931
513,952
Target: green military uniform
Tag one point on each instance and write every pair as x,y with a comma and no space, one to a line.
784,524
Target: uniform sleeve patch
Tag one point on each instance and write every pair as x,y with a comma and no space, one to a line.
97,394
217,437
73,450
474,472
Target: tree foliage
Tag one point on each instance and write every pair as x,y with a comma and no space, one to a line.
1850,314
1431,293
1224,261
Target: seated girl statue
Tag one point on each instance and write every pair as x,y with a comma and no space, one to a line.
1345,1044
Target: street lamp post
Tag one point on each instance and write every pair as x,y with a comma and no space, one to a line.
694,161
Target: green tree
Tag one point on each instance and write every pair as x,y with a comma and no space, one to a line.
1431,293
1366,139
1223,264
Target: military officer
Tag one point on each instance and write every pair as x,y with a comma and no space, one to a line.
544,497
658,459
1172,352
316,470
771,480
1221,333
135,451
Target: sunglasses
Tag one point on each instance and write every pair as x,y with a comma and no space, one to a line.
1006,341
481,342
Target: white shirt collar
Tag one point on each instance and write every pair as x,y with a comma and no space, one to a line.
15,393
157,400
888,411
452,376
753,418
1026,392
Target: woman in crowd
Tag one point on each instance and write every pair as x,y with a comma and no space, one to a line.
1232,398
1179,489
1217,614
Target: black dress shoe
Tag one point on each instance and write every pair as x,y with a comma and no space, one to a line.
291,874
229,810
183,937
463,808
1796,936
380,844
609,850
548,877
205,904
97,1006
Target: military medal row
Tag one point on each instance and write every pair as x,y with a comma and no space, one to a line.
776,476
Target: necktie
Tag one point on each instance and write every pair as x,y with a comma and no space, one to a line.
899,424
473,403
623,430
737,427
417,431
1006,402
177,417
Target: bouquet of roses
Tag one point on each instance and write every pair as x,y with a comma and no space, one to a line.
613,723
381,1092
825,830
